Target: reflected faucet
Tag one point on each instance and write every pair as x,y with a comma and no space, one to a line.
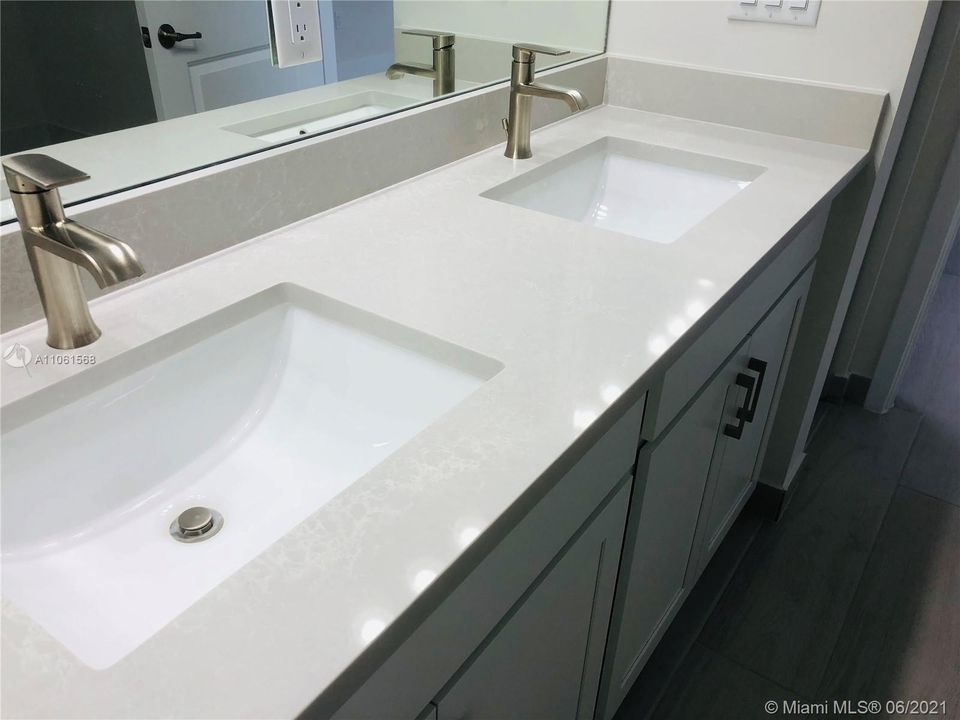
57,247
443,68
522,91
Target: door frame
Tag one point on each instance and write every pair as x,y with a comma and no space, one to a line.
151,68
939,235
942,224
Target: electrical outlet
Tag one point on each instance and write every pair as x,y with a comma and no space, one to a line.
294,32
302,22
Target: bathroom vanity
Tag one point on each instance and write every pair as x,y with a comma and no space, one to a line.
650,501
574,399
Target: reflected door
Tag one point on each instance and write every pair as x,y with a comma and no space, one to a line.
230,64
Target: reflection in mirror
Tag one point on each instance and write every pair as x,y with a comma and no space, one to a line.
132,91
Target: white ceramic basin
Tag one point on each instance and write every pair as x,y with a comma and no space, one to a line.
648,191
291,124
263,411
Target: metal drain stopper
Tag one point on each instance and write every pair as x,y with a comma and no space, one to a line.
196,523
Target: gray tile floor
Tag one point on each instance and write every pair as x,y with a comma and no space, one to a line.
855,593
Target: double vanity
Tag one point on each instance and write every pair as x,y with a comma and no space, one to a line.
469,440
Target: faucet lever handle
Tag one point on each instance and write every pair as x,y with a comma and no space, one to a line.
33,173
441,39
527,52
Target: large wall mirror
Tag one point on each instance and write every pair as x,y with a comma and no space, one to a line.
132,91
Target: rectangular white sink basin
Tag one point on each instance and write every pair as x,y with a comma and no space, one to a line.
263,411
291,124
648,191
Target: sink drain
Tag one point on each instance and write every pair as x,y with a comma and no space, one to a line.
196,524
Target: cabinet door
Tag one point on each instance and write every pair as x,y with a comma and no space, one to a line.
671,476
739,444
543,659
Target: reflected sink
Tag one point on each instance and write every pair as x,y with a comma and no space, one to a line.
263,411
648,191
291,124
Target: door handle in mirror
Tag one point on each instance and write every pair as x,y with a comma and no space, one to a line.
169,37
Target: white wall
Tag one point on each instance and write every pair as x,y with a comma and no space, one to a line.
861,43
864,43
570,24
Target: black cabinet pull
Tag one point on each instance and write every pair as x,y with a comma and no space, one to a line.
169,37
759,367
753,386
736,431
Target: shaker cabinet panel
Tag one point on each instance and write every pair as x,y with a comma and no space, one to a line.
760,366
543,660
671,475
737,441
692,482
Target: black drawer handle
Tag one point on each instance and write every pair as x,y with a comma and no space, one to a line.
753,386
759,367
736,431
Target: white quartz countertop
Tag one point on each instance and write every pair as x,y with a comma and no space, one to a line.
577,315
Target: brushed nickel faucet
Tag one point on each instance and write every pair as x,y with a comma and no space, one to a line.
522,91
443,68
57,247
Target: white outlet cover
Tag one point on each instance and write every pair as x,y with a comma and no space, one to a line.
784,12
294,32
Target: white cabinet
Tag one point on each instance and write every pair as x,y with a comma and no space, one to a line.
671,476
558,615
692,481
543,659
753,391
540,595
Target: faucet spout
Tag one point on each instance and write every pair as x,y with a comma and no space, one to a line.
110,261
57,247
573,98
398,70
443,69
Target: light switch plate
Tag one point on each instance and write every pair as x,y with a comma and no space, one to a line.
294,32
786,12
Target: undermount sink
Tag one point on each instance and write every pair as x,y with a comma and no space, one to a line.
291,124
263,411
648,191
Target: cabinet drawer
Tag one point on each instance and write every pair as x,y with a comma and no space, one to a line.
686,375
